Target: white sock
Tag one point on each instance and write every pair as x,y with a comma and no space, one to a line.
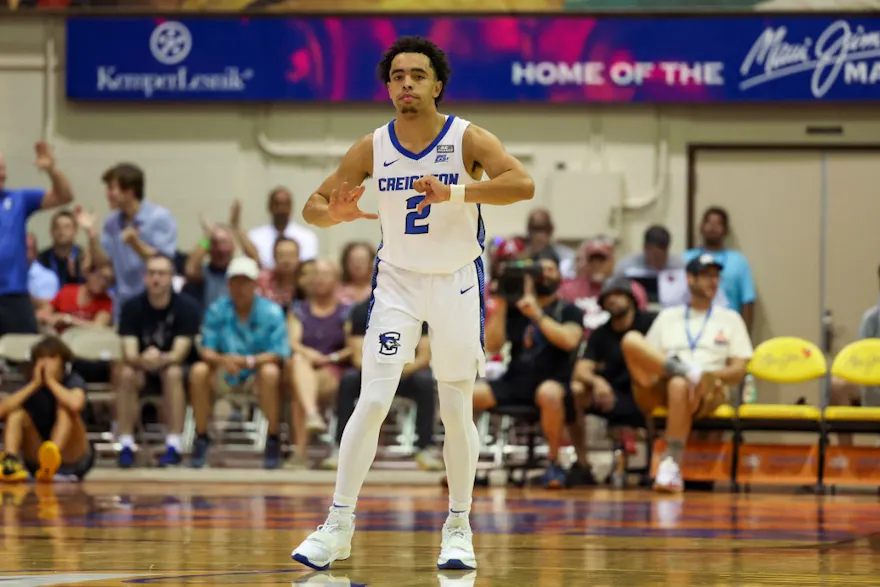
173,441
126,441
360,439
461,444
343,507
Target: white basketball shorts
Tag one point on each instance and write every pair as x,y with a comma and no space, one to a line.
453,306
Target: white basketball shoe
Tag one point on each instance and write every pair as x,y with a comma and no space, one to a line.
668,478
329,543
457,547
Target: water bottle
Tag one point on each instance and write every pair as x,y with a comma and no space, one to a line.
750,392
618,475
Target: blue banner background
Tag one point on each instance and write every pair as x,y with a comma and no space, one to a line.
567,59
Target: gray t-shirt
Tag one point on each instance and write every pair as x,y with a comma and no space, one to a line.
635,265
870,328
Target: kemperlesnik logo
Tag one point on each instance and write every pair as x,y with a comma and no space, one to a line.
170,44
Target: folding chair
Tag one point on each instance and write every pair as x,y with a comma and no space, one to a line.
97,344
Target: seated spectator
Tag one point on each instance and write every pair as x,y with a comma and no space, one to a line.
317,337
544,333
539,227
689,358
595,264
82,305
736,280
416,383
42,283
358,260
65,258
846,393
244,345
281,211
206,281
654,268
158,329
278,284
44,431
601,383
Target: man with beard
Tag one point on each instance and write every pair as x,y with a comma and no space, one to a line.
594,264
544,332
736,280
601,382
686,362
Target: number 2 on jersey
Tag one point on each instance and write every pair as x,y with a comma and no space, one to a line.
411,226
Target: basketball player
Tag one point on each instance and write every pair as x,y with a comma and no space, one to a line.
427,168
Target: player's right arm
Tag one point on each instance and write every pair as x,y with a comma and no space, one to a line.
334,201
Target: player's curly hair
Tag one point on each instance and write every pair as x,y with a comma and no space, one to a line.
439,62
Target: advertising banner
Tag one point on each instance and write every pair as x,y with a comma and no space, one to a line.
700,59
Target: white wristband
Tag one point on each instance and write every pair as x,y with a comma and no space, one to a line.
456,193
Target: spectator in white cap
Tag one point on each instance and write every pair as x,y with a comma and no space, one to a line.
244,347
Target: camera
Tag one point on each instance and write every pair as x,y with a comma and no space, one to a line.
512,278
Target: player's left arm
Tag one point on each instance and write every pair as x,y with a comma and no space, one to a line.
509,182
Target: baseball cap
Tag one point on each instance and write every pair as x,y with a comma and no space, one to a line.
704,261
598,247
243,266
616,285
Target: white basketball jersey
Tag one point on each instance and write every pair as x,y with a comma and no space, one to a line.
444,237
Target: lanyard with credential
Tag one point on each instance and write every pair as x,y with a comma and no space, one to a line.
692,342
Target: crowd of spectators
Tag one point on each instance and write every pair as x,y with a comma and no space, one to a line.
263,312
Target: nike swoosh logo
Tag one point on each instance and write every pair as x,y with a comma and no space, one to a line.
387,163
464,291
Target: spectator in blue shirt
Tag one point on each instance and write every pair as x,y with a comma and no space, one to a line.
736,277
16,206
135,231
244,346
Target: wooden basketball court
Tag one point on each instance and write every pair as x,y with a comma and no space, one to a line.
140,533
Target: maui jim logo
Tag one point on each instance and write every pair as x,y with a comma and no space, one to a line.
839,50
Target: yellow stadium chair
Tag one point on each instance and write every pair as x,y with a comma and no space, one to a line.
723,418
782,360
859,363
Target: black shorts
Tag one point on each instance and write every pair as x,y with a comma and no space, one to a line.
17,315
79,469
521,391
626,411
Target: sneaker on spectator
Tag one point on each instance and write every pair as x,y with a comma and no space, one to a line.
297,463
11,469
331,462
427,460
579,476
200,452
171,458
315,424
272,458
668,477
125,460
554,477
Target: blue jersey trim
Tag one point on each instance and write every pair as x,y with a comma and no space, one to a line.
416,156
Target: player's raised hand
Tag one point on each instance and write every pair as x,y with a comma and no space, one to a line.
343,205
435,191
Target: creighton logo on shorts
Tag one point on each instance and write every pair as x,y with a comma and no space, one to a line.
389,342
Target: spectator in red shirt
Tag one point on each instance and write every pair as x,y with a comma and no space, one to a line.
85,304
595,265
279,284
